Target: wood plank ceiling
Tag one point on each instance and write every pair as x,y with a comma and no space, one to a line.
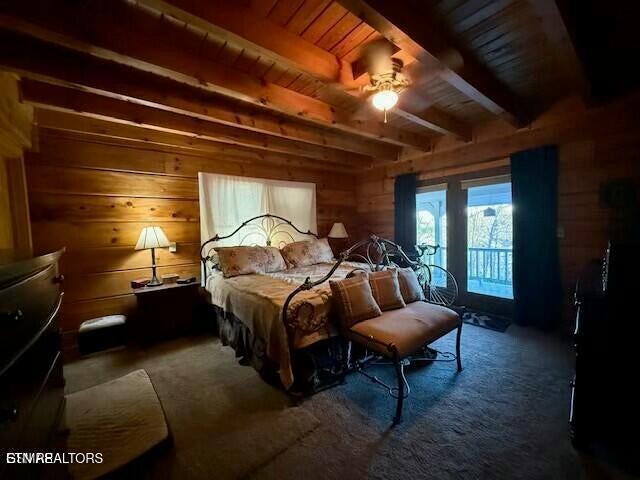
274,76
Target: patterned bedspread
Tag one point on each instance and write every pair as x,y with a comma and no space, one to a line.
258,300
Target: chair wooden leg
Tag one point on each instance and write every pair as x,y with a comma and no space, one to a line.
458,358
399,366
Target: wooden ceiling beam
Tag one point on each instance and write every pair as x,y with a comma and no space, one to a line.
131,36
565,55
49,96
75,126
241,26
417,31
438,121
237,23
108,131
37,60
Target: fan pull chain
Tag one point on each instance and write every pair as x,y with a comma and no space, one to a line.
385,116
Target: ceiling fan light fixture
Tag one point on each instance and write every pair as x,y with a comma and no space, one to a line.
384,99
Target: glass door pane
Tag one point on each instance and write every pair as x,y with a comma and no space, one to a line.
431,217
490,240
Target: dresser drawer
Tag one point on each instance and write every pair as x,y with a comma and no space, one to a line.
33,388
45,410
21,388
25,307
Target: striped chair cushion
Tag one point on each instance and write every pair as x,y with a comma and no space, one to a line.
386,289
353,300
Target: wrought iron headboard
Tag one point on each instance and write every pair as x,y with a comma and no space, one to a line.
265,227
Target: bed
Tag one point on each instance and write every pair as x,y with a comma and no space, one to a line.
257,301
271,318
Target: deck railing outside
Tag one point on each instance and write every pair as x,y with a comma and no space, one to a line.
489,270
491,265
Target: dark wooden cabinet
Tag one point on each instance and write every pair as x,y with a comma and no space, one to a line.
604,403
31,377
165,311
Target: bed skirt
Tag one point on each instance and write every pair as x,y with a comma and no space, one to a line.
314,367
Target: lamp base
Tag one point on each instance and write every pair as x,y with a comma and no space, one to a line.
155,282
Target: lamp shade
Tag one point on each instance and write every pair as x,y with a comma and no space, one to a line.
152,237
338,231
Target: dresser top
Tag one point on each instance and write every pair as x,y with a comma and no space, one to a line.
16,264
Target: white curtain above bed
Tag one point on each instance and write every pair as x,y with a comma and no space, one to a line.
226,201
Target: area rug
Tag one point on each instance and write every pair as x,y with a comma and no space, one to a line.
225,421
486,320
504,417
119,420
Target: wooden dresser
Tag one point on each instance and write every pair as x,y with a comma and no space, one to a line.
31,379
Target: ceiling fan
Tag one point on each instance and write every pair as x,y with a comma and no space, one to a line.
389,78
386,85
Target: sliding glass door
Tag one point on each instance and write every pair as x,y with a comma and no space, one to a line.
431,217
470,218
490,240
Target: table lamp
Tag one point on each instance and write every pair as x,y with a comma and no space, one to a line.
338,231
152,238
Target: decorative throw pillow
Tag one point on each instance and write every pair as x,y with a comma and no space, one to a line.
297,254
274,261
322,251
386,289
353,300
307,252
410,285
235,261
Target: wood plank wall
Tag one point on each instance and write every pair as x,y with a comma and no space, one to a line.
594,148
94,198
16,121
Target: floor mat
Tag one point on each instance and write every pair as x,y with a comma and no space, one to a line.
120,419
486,320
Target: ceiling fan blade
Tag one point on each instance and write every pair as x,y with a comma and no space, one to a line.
365,109
362,113
421,74
376,56
413,100
451,59
357,91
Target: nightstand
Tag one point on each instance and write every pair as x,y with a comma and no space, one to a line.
165,311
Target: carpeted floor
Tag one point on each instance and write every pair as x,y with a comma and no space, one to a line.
503,417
